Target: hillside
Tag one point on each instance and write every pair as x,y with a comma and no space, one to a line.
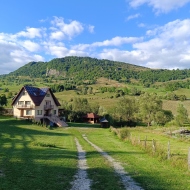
80,68
90,69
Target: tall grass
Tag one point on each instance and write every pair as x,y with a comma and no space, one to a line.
154,147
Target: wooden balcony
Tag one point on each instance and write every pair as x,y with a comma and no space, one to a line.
48,107
25,106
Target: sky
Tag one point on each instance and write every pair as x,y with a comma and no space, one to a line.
149,33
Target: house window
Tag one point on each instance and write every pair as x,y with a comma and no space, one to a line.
54,112
39,112
28,112
20,102
27,103
47,95
24,93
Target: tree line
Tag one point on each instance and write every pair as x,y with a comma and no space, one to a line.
130,111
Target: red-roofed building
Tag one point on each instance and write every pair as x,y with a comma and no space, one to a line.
91,118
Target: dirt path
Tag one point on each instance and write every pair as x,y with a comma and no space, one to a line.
126,179
81,182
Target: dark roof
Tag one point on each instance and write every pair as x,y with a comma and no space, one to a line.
37,94
91,115
103,120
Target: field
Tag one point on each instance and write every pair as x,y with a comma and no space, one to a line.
106,99
34,157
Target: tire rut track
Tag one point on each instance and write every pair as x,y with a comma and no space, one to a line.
127,181
81,182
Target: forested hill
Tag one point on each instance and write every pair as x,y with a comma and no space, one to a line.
86,68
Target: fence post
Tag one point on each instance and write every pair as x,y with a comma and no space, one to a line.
169,150
145,142
153,146
139,140
189,159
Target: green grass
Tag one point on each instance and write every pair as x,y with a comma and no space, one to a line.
179,145
100,172
148,171
32,157
83,125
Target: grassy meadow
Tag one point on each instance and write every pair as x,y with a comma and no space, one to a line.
34,157
106,99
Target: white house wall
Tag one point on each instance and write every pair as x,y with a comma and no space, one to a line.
21,97
26,97
41,107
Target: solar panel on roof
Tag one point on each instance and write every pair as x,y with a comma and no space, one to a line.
33,91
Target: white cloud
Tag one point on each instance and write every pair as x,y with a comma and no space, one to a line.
30,46
167,47
133,16
60,50
22,47
62,30
12,57
160,5
30,33
116,41
91,28
141,25
57,35
15,52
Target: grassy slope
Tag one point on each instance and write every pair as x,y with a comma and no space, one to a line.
148,171
26,161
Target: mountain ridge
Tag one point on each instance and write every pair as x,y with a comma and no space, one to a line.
87,68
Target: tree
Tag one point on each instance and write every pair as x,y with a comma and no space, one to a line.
94,108
10,95
182,115
102,111
149,106
80,107
163,116
124,112
3,100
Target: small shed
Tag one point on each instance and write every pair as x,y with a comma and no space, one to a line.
104,123
91,118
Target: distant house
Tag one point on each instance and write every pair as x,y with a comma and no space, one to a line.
38,104
91,118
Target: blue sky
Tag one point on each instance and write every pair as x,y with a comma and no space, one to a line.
150,33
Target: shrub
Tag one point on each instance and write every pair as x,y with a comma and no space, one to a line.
124,133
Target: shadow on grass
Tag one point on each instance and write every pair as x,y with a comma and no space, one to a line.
84,125
32,157
25,165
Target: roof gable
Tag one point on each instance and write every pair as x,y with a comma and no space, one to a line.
91,115
37,94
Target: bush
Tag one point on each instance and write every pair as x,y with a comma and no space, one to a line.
124,133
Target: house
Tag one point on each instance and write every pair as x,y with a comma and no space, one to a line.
91,118
36,103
